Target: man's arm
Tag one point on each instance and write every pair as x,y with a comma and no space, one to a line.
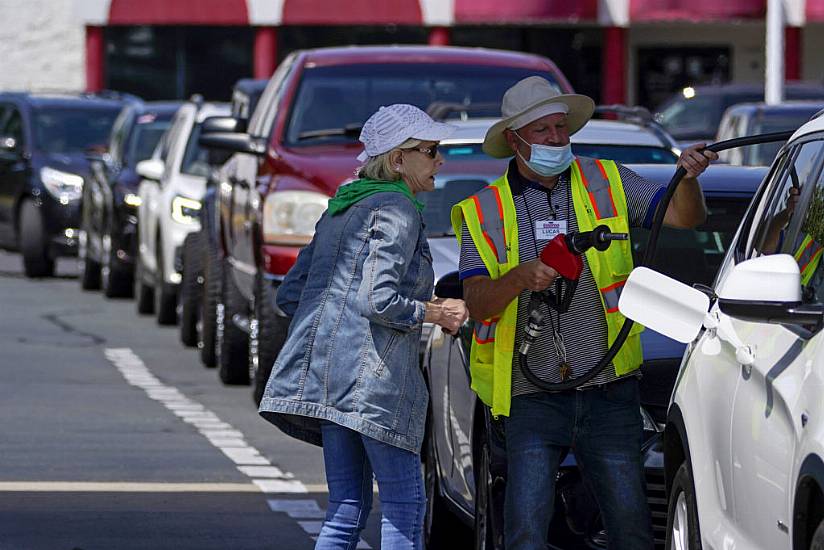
687,208
487,298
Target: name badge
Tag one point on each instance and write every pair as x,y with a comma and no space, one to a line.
546,230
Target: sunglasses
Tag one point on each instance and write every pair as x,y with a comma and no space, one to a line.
431,151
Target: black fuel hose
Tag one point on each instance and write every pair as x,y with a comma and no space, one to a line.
649,257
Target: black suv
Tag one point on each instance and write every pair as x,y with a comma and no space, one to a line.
44,139
108,227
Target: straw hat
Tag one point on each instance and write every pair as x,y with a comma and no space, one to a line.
527,101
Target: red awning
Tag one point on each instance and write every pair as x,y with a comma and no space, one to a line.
178,12
352,12
696,10
495,11
815,11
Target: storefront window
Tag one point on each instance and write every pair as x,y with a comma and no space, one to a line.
175,62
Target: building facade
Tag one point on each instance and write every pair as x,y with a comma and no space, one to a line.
618,51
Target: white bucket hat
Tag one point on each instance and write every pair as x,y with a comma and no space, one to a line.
391,126
527,101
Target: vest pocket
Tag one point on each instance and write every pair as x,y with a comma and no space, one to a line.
619,254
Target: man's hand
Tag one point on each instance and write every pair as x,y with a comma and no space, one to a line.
449,313
536,275
695,161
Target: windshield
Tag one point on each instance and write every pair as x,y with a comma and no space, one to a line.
763,154
72,129
623,154
144,138
196,158
341,98
698,116
439,203
694,255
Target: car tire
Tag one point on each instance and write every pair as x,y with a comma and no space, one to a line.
439,523
191,288
165,295
484,533
115,278
212,277
144,293
36,261
267,336
231,342
89,269
817,542
682,512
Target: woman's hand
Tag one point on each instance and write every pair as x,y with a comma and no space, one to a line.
449,313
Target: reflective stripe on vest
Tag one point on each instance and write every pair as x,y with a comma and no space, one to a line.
808,254
611,295
491,215
485,330
597,185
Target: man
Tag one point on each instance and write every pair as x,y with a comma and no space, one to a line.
546,191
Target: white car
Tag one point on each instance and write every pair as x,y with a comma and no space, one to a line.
744,438
173,184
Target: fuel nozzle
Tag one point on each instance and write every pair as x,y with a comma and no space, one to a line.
600,238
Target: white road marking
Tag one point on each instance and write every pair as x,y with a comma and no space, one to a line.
263,475
123,487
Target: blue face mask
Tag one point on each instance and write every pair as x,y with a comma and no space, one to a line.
546,160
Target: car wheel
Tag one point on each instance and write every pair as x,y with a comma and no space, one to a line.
116,279
89,269
484,537
817,543
165,295
191,289
268,333
144,293
232,342
212,275
36,261
682,513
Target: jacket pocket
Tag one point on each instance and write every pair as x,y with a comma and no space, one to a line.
384,355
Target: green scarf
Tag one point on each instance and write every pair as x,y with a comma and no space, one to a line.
351,193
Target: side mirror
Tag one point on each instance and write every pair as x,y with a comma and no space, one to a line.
768,290
233,142
215,124
150,169
449,286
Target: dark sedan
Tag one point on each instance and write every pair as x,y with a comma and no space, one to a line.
108,229
465,461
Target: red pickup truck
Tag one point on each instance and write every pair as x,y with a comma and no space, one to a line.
300,144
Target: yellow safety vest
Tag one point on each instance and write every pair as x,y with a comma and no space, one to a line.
808,255
598,197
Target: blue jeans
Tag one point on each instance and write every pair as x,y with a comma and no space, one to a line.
603,426
350,459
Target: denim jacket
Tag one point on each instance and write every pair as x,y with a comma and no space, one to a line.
356,296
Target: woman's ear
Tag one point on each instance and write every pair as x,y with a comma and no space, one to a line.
396,159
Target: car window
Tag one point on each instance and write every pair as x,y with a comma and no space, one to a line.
72,130
778,217
698,115
195,158
171,136
694,255
626,154
13,126
763,154
332,102
146,134
263,116
119,130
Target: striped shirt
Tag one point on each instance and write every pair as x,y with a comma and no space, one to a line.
583,327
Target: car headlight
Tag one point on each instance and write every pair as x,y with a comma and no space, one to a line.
185,210
289,217
62,185
132,200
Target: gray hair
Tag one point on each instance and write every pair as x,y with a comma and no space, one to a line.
380,167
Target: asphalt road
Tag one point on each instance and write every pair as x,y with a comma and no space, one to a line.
114,436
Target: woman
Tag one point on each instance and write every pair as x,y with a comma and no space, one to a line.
348,377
